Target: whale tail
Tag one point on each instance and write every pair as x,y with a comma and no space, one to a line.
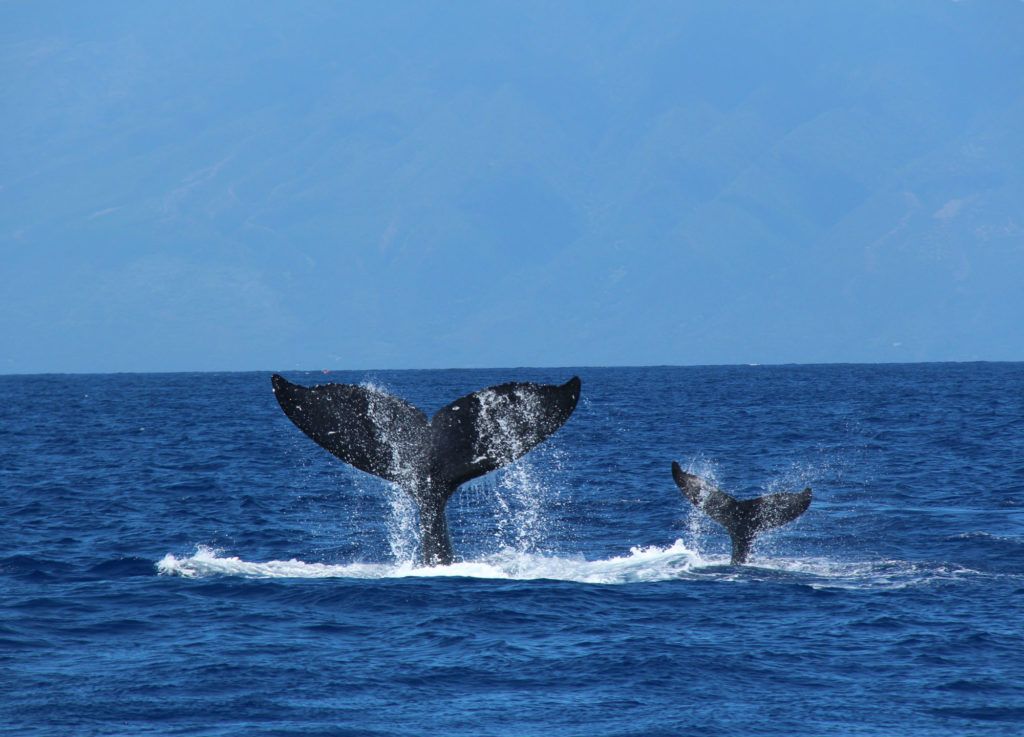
428,458
743,519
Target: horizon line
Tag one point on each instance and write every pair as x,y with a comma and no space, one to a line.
327,371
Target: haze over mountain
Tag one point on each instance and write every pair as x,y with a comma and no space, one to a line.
251,186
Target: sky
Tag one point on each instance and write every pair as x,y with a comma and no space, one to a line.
193,186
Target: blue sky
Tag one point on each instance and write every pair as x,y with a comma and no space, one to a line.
235,186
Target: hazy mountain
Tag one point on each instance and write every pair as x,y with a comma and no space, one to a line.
239,185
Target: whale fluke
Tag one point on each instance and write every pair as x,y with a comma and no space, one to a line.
743,519
429,459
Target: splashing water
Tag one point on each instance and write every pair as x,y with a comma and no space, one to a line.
794,477
675,562
520,495
404,448
403,532
642,564
700,527
799,475
517,494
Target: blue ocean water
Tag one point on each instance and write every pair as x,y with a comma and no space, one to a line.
176,558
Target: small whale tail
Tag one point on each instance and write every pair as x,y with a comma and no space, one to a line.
429,459
743,519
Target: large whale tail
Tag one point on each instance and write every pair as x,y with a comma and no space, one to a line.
743,519
428,458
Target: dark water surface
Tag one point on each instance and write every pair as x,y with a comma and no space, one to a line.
176,558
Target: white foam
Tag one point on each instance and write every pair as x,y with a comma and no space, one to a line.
641,564
674,562
650,564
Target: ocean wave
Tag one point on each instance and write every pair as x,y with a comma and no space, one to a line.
988,537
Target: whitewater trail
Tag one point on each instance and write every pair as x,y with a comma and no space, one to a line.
641,565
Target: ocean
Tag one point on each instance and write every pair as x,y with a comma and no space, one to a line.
176,558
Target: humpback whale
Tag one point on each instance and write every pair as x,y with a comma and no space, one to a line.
428,459
743,519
